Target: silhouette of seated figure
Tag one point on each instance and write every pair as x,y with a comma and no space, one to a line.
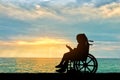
78,53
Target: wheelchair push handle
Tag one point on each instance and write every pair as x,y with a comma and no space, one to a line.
90,41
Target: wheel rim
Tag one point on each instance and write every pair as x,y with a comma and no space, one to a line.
89,66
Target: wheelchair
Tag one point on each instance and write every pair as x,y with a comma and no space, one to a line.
86,65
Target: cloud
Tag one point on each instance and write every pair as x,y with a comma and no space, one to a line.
52,48
37,41
110,10
105,49
96,3
23,14
39,47
106,45
85,12
88,12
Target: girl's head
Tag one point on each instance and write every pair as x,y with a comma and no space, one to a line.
81,38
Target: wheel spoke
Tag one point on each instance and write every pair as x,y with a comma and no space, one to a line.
89,61
80,64
90,65
85,69
81,68
89,69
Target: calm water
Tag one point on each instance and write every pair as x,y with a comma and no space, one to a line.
42,65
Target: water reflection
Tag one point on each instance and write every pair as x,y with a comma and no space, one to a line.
36,65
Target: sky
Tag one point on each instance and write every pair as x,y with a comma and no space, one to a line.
42,28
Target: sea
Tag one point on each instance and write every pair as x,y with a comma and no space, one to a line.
47,65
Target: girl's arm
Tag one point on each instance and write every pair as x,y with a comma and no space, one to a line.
69,48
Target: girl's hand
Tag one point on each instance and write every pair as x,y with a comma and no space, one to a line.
69,47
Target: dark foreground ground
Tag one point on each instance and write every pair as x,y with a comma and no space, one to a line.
59,76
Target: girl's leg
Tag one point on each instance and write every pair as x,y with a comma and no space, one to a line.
63,68
64,62
65,57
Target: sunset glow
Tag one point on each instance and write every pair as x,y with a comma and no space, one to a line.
42,28
42,41
40,47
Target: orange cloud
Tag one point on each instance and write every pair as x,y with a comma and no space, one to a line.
38,41
41,47
42,41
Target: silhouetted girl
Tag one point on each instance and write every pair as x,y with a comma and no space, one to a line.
80,52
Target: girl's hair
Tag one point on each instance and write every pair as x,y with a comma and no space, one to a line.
81,38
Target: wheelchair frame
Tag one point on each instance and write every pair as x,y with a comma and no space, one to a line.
88,65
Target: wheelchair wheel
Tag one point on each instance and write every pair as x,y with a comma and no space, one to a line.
90,65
